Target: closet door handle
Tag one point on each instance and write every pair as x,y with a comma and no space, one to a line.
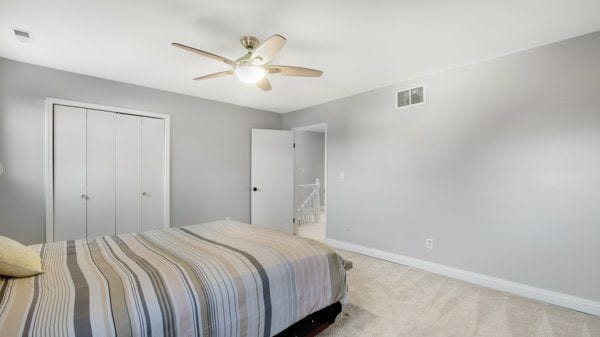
144,193
84,196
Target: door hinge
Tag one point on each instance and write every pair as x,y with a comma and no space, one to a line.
294,145
293,220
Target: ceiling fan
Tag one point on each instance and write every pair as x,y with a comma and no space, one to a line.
253,67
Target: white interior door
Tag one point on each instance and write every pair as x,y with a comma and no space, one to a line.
100,176
128,181
69,173
272,179
153,173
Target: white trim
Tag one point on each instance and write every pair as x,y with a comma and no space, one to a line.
49,171
325,187
544,295
167,120
93,106
307,128
48,149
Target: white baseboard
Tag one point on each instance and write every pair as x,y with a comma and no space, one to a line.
548,296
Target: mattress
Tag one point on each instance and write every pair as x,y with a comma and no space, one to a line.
217,279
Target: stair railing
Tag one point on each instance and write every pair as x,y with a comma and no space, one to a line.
309,211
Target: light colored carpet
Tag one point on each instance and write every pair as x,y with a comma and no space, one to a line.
388,299
316,231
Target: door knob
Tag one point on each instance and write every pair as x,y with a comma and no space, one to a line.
83,196
144,193
255,189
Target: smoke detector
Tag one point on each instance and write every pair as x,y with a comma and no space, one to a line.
22,35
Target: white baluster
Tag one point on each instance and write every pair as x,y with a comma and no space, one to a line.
309,211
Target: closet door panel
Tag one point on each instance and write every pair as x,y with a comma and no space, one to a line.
153,173
129,174
69,173
100,166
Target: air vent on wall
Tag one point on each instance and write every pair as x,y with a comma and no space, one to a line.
410,97
23,36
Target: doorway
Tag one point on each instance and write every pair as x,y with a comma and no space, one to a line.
310,181
107,170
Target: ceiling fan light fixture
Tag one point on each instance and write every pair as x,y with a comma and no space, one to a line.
250,73
252,68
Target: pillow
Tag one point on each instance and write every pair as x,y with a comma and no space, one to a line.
17,260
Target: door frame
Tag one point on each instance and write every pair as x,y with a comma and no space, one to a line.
49,153
325,174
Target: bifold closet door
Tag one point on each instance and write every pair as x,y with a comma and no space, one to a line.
153,173
69,173
129,174
100,177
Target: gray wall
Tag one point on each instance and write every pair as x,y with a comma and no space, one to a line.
501,167
210,145
309,160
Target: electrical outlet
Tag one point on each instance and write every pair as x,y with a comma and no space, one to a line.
429,243
342,175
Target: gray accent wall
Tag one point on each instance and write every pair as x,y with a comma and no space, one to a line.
500,166
210,146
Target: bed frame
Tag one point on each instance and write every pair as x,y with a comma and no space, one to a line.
314,323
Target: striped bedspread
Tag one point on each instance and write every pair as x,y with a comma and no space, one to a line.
217,279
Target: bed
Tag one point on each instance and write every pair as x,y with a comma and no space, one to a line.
223,278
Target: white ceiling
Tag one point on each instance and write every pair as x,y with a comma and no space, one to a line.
360,45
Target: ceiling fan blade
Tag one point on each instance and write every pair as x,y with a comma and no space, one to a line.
215,75
294,71
204,53
268,49
264,84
